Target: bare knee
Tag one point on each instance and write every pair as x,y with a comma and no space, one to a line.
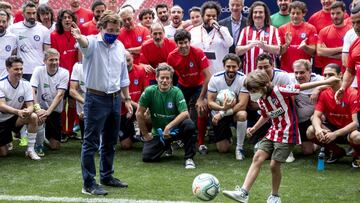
355,137
241,116
3,151
274,166
307,148
223,146
126,144
54,144
310,132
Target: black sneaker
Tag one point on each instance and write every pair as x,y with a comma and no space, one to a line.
114,182
169,152
64,138
94,190
334,157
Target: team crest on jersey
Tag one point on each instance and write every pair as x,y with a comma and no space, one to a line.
8,48
82,20
136,82
170,105
139,39
37,38
191,64
21,99
303,35
46,85
266,34
45,97
275,101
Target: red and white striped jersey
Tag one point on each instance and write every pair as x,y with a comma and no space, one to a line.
280,107
269,35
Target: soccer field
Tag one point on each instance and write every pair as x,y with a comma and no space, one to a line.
57,178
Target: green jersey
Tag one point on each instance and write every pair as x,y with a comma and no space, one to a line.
163,106
278,20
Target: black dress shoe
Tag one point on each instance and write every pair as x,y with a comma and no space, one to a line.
94,190
114,182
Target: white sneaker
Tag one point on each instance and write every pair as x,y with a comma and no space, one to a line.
189,164
290,158
273,199
32,155
238,195
239,154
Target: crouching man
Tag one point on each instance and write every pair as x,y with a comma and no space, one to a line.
14,93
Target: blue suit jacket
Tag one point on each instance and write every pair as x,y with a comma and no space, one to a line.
227,23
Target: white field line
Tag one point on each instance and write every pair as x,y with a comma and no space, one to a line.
79,199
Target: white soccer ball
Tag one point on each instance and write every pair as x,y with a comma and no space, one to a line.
220,97
205,187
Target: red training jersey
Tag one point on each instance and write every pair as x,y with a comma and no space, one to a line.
338,115
280,107
354,60
189,68
134,38
299,33
137,85
332,36
89,28
268,35
83,15
65,45
153,55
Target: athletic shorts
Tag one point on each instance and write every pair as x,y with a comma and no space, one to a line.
53,126
6,128
303,126
279,151
127,127
222,130
340,139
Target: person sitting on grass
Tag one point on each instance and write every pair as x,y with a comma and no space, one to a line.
14,93
275,103
340,118
169,114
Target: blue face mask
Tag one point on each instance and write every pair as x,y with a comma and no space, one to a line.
110,38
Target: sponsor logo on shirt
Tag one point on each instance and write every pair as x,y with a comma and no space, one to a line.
37,38
22,37
46,85
21,99
8,48
170,105
7,99
276,113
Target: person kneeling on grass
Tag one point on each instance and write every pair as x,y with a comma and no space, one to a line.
276,103
169,114
14,92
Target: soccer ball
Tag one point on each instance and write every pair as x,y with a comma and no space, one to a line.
205,187
220,97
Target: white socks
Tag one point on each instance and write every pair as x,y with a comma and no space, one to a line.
240,133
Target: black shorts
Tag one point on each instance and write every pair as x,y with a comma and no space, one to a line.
53,126
222,130
340,139
303,126
253,117
6,128
127,128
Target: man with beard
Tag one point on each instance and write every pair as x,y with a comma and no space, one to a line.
155,51
330,43
162,13
64,43
19,16
132,35
49,84
235,22
8,41
213,39
34,39
169,117
283,16
89,28
83,15
176,23
298,38
230,112
258,37
192,68
45,15
136,87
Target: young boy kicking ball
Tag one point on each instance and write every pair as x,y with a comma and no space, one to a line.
276,103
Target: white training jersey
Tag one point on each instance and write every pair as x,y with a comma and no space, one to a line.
348,39
280,77
14,96
170,31
304,107
47,86
8,43
77,75
214,44
30,44
217,82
